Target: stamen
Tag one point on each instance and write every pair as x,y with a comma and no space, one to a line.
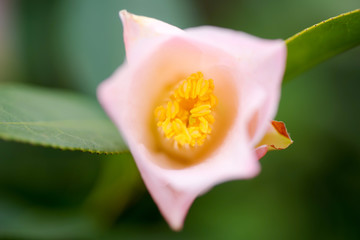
188,115
202,110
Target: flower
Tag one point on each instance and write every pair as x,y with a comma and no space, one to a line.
195,107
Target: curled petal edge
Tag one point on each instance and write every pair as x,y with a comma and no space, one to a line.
276,138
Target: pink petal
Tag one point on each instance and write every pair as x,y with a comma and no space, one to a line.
138,30
261,151
161,55
262,62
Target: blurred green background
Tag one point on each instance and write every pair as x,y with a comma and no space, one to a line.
309,191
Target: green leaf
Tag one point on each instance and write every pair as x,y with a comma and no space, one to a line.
322,41
56,118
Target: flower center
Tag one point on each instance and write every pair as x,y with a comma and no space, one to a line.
188,115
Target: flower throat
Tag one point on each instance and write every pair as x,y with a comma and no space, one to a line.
188,115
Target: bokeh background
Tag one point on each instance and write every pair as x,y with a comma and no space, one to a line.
309,191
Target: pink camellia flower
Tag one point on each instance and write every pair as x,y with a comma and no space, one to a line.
195,107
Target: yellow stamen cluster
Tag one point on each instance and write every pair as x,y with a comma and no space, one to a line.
189,114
